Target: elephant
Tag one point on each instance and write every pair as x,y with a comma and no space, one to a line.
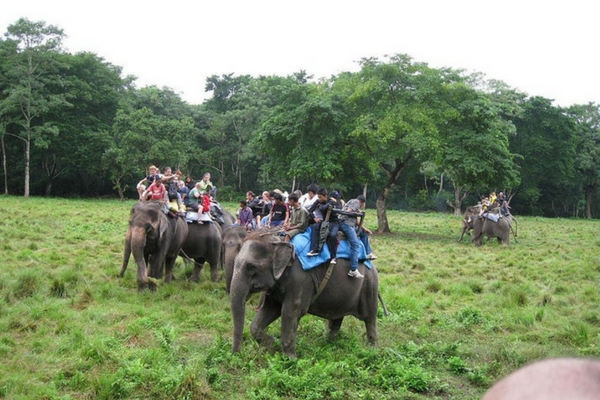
155,240
203,244
232,243
483,226
265,264
491,229
221,215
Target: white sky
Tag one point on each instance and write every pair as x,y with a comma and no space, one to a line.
546,48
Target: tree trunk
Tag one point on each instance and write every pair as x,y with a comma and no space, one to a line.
27,155
4,168
458,199
458,202
589,189
383,225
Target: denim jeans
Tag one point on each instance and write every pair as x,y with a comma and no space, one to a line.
350,233
364,238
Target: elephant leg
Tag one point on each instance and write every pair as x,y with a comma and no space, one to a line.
198,265
268,313
214,270
169,264
334,327
371,327
290,316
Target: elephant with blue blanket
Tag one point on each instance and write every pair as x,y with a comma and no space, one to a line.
265,264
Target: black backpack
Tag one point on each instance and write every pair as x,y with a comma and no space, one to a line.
172,190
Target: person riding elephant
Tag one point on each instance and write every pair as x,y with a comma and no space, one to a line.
267,265
155,240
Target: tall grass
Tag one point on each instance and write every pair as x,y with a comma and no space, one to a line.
461,317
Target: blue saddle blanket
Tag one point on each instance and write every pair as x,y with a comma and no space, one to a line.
301,243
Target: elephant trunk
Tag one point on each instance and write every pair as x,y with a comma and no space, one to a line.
137,245
126,253
462,234
229,262
239,294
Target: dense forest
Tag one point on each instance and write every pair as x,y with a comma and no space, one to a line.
412,136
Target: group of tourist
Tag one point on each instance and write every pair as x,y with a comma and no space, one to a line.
170,189
295,212
494,201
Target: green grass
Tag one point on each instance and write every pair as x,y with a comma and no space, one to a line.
461,317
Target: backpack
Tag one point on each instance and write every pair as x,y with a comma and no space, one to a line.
172,190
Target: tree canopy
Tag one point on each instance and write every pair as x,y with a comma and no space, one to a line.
404,133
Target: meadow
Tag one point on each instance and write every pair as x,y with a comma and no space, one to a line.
460,318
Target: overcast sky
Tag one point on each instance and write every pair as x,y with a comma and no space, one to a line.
545,48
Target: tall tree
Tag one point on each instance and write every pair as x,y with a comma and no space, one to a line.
587,159
475,147
140,138
32,71
303,136
395,109
95,89
545,139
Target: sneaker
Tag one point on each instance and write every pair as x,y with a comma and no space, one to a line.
312,253
353,273
371,256
333,261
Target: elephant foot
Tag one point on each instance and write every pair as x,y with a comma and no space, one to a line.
153,284
195,279
266,341
291,353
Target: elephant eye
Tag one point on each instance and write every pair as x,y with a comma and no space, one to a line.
251,269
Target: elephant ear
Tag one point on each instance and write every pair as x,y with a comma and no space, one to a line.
282,255
162,228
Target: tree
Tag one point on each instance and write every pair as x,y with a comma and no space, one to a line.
545,140
396,110
141,138
30,73
474,151
587,159
95,89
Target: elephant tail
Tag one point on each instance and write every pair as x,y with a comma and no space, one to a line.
385,310
514,231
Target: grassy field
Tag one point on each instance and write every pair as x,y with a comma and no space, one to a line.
461,317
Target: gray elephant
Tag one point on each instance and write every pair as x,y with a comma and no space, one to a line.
155,240
471,220
203,244
232,243
264,264
484,226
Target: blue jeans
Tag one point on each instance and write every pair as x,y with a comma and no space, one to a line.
364,238
350,233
